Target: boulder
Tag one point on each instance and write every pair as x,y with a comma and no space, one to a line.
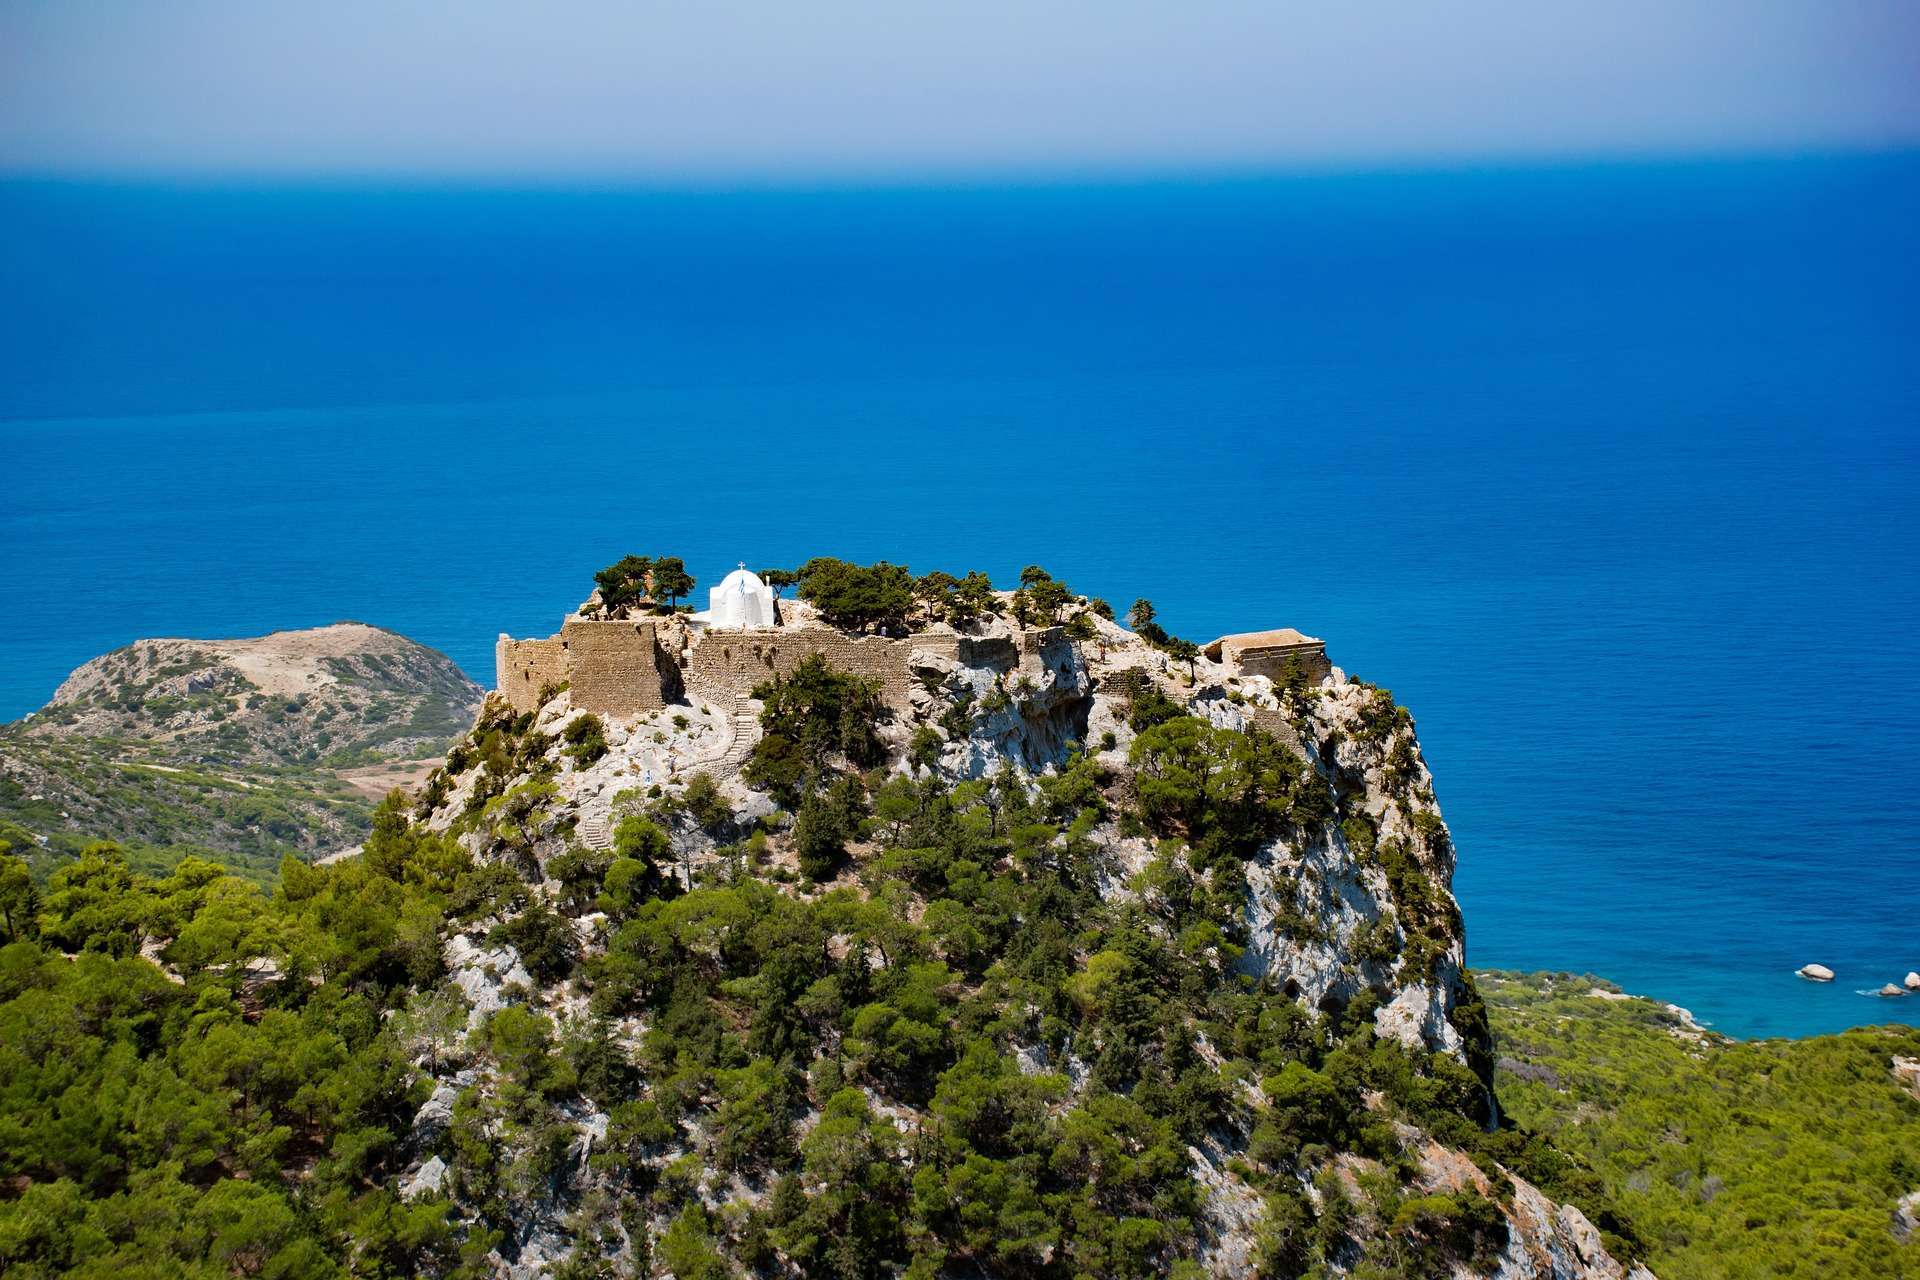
1815,973
483,974
1906,1217
1584,1237
1906,1073
1912,980
427,1180
1890,990
435,1114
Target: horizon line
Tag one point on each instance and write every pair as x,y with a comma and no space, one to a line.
985,175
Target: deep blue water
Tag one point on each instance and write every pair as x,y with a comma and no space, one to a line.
1609,473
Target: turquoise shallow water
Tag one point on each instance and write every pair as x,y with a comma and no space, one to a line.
1608,473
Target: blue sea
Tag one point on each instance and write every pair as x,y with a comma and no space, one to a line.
1610,472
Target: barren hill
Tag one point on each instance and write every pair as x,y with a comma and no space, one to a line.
292,696
242,750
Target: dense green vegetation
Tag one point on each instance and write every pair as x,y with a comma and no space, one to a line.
246,819
888,598
813,719
775,1000
895,1029
1733,1159
237,1120
857,597
253,1116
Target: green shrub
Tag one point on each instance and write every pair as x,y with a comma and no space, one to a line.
857,597
586,739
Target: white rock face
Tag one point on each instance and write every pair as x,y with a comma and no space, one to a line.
1307,906
1907,1072
1029,708
1232,1212
1815,973
1912,981
1549,1242
1906,1217
426,1180
1032,1059
1545,1241
482,974
435,1114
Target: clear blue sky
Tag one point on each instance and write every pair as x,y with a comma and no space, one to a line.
725,88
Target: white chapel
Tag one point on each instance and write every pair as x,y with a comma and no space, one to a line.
741,602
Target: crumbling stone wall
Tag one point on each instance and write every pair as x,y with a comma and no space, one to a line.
612,668
1272,661
523,667
617,667
621,669
1278,724
1047,645
997,653
719,664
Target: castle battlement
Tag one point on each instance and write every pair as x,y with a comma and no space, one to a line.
628,667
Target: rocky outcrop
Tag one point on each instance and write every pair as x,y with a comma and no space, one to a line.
1906,1217
1555,1242
486,976
436,1113
1234,1213
1028,707
1815,973
1365,904
1907,1072
1349,903
430,1179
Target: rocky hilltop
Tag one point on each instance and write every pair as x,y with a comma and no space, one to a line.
913,929
242,750
1089,956
334,693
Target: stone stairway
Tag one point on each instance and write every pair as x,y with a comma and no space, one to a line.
744,722
595,832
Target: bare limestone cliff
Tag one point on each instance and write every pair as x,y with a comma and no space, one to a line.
1277,845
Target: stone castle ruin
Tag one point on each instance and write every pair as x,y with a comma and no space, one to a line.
627,667
1271,654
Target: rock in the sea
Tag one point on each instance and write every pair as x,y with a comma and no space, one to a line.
1912,980
1815,973
1890,990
